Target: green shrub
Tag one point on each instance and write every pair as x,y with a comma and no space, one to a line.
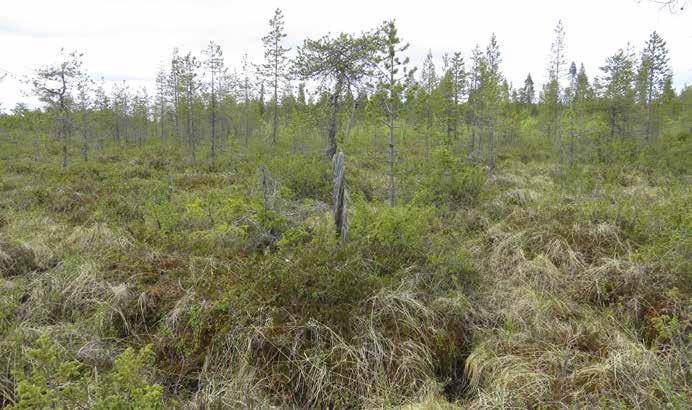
52,381
55,381
453,181
392,233
128,385
306,177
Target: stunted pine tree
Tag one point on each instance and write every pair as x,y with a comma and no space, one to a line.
161,90
475,100
458,74
339,64
275,66
103,113
490,90
54,85
445,90
553,89
574,123
174,88
394,77
84,104
189,82
428,85
121,109
215,66
246,90
140,115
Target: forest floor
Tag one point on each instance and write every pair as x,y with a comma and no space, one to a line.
542,286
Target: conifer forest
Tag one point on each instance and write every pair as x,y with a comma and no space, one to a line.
337,226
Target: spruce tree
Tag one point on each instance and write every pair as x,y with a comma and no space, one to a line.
653,71
617,91
527,94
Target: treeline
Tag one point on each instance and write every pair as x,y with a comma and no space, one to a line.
360,80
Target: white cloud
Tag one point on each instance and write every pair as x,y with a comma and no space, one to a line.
127,39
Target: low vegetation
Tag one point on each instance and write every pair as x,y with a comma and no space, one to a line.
506,254
175,286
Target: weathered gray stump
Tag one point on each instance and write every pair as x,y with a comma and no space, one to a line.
339,177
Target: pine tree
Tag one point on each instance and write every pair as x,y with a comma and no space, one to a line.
490,90
553,89
54,85
458,78
140,115
247,96
175,87
189,81
428,86
161,91
215,64
446,93
475,99
103,112
394,78
275,67
121,106
573,119
343,62
84,104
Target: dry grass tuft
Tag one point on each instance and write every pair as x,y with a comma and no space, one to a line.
99,237
565,314
16,259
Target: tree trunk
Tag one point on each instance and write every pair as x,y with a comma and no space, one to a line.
491,154
392,192
339,196
213,120
85,136
350,122
275,117
331,147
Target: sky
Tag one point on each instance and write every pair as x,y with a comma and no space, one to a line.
129,39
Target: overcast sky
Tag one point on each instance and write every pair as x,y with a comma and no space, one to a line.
128,39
